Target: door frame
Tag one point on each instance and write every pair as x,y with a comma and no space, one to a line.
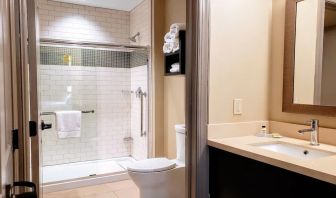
32,96
12,158
197,61
197,77
25,42
6,109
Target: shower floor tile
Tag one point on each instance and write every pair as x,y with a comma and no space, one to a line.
71,171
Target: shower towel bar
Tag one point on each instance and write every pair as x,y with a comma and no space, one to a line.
53,113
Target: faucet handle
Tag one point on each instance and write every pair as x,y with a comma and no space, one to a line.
309,122
313,123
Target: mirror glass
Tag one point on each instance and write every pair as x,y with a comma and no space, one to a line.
315,53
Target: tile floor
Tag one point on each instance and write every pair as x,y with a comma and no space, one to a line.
122,189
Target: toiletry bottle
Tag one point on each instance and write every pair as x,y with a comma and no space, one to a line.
262,132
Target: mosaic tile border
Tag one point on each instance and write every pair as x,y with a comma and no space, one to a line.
55,55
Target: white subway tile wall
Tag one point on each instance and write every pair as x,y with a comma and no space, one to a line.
140,21
139,145
104,89
76,22
93,88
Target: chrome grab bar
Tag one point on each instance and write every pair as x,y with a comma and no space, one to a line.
140,94
53,113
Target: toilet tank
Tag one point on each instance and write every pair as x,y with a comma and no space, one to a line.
180,143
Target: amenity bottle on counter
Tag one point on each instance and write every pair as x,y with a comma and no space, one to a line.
263,131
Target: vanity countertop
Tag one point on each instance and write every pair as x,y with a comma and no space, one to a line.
323,168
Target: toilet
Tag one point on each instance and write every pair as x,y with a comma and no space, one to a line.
161,177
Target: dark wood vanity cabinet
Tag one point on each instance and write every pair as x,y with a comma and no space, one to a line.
234,176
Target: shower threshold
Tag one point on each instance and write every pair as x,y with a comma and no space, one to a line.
79,174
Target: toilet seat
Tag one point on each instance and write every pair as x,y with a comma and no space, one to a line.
152,165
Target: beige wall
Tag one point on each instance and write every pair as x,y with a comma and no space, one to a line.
305,51
157,73
169,92
277,50
246,61
174,111
239,59
174,86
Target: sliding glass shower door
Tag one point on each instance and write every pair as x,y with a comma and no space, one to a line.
110,88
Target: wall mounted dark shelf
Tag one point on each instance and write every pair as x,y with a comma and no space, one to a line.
176,57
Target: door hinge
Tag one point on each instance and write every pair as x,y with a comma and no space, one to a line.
32,128
15,139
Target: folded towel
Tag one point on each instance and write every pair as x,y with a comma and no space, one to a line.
68,124
174,70
175,67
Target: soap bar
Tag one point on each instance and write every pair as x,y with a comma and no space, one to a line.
276,135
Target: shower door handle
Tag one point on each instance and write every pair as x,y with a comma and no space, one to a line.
45,126
142,132
140,94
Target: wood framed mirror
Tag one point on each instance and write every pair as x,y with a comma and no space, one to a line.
309,85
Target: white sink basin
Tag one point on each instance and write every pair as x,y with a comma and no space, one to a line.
299,152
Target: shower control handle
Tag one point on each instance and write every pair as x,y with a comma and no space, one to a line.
45,126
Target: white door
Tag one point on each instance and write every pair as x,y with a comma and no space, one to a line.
6,99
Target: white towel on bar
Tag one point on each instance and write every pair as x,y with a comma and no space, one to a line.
68,124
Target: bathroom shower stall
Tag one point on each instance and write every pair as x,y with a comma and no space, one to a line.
108,84
94,91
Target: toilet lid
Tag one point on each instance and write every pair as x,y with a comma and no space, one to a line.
152,165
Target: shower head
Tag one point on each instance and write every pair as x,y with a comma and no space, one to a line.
133,38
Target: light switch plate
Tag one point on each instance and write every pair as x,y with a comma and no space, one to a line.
237,106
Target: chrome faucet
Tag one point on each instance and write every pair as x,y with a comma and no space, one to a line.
314,132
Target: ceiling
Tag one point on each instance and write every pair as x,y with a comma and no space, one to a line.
126,5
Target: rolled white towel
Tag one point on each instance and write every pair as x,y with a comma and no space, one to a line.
176,27
176,46
167,47
174,34
170,37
